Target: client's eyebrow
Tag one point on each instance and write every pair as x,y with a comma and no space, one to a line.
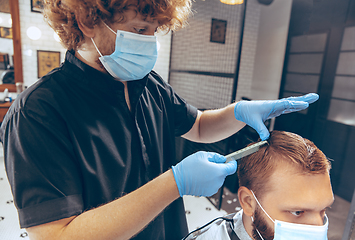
293,208
299,208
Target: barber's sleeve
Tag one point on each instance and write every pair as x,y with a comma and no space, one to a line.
184,114
41,167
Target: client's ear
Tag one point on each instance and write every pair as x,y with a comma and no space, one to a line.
247,201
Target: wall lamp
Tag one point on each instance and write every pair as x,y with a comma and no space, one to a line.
232,2
34,33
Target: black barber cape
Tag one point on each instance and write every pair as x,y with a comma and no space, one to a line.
71,144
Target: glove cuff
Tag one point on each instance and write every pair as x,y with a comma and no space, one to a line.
237,109
177,181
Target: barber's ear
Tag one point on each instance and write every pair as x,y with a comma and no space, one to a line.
247,201
88,31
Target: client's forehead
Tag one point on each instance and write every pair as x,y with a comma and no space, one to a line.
288,186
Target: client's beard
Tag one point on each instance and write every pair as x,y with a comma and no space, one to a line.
265,230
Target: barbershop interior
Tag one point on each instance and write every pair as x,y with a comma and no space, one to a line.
231,50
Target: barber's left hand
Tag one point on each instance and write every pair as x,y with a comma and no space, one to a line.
255,113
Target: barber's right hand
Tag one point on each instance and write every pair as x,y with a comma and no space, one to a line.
202,173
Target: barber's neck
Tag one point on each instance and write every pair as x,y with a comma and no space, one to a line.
89,57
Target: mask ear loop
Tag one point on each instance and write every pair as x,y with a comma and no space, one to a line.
109,28
262,207
252,218
92,40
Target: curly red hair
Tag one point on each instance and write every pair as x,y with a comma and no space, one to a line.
61,15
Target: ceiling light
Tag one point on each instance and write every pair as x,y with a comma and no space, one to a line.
232,2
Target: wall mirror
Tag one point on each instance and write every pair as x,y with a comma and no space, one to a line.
10,45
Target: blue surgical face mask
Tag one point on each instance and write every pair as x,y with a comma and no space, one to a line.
293,231
134,57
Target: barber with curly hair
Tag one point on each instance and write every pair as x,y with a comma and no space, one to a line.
90,147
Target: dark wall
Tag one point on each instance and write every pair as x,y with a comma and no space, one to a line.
313,24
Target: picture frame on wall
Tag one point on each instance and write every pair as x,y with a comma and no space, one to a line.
6,32
4,6
37,6
47,61
218,31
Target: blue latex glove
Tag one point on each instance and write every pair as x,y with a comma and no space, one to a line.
202,173
255,113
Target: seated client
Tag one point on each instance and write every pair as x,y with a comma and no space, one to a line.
284,192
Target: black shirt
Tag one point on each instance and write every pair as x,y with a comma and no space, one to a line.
72,144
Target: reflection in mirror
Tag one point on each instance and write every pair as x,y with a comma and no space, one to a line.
6,45
10,46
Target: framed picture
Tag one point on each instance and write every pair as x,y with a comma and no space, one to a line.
4,6
218,31
37,6
6,32
46,61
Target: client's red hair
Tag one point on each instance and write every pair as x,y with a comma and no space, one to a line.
255,169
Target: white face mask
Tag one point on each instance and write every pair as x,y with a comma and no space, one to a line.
293,231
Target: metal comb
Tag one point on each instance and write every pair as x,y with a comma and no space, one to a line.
245,151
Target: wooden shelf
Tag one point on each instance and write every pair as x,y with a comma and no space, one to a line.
11,87
4,107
